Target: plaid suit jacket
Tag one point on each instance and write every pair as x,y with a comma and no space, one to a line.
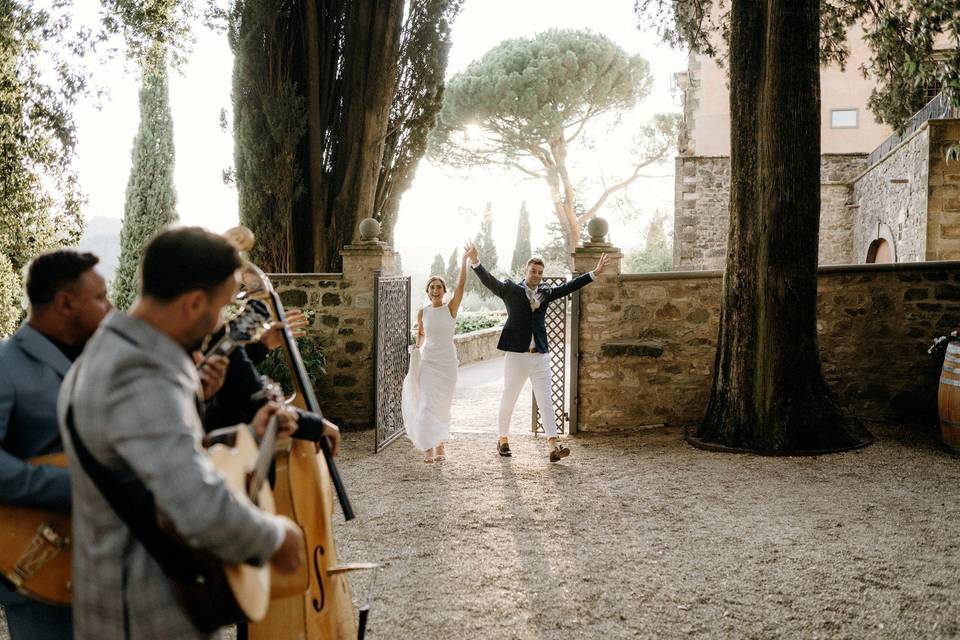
133,392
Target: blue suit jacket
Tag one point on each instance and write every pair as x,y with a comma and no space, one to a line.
31,372
522,321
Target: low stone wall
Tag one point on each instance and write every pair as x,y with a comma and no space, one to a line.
647,342
478,345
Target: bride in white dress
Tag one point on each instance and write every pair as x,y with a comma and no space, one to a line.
428,387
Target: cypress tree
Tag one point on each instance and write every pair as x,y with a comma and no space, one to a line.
521,250
436,269
151,199
453,267
487,252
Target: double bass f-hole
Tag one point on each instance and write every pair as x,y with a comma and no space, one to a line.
318,604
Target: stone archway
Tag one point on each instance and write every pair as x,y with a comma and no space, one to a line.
882,249
879,252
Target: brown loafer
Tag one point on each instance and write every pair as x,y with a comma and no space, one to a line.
559,452
503,449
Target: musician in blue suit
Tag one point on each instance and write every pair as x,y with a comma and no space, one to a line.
68,299
524,339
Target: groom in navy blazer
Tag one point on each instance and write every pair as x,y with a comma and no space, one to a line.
524,339
68,299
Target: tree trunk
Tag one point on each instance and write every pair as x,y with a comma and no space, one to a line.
369,85
768,392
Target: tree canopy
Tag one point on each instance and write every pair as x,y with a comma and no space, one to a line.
901,35
526,100
332,104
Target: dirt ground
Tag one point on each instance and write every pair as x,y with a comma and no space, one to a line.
641,536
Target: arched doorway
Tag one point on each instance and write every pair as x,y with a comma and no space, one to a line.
879,252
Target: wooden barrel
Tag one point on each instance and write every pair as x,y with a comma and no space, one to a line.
948,398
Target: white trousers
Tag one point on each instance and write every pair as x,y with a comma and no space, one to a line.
517,368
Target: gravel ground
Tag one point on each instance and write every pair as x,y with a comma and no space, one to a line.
641,536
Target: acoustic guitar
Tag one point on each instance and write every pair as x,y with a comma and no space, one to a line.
35,546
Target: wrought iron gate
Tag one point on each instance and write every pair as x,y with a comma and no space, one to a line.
391,304
556,321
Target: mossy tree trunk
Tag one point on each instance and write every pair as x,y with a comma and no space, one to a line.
769,393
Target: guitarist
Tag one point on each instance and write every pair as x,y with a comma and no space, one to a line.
68,299
134,400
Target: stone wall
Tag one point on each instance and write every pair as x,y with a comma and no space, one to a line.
702,201
647,342
477,346
890,201
344,323
943,200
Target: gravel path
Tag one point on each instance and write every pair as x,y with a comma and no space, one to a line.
641,536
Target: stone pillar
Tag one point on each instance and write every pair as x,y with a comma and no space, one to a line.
350,356
599,302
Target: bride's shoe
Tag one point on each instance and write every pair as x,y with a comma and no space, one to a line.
429,457
440,453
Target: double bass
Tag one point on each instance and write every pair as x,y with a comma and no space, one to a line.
303,490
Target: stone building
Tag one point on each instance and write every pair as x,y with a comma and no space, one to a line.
884,198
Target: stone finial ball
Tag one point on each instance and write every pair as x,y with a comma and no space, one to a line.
240,237
598,228
369,229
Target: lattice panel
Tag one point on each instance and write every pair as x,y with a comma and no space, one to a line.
556,321
392,319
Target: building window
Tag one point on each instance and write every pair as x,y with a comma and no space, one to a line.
843,118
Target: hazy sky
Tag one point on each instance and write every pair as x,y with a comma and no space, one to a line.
432,217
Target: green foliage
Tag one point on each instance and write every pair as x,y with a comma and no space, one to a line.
900,35
487,251
39,194
656,256
521,248
311,110
151,199
469,321
10,295
314,361
424,50
453,268
437,268
528,91
269,122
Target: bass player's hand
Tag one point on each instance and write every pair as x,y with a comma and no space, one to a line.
286,426
332,432
289,555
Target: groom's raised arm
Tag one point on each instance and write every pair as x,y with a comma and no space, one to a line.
569,287
498,288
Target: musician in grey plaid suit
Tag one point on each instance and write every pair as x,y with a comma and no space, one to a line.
134,395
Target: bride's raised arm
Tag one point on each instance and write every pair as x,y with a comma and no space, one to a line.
454,304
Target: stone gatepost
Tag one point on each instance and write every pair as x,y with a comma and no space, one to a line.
350,357
599,306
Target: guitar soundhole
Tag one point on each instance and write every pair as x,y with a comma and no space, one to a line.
318,604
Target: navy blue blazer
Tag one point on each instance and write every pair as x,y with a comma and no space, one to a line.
522,321
31,372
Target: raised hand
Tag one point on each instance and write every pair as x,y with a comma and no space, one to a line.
470,251
601,264
297,322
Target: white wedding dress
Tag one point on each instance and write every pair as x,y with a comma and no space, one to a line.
428,387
